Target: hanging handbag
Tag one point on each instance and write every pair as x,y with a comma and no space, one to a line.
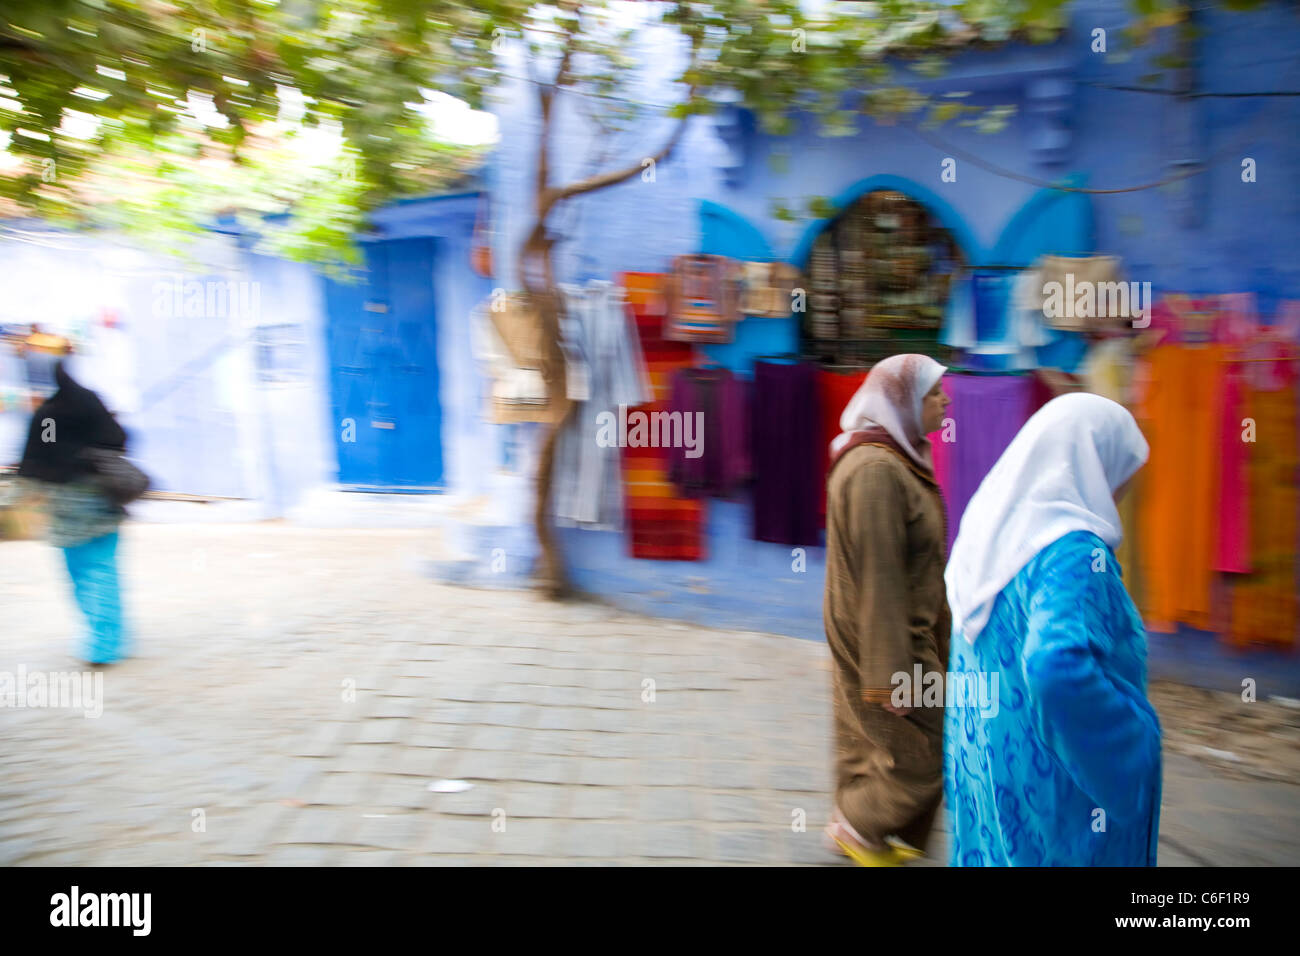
703,299
114,474
769,288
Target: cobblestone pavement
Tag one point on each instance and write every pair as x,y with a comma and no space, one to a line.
295,692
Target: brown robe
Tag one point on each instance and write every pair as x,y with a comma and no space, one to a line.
885,610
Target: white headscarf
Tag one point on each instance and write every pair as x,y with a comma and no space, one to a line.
891,399
1058,475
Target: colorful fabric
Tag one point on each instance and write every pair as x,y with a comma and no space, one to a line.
716,400
1232,549
92,566
1177,521
834,390
1264,601
661,523
987,412
1065,769
787,456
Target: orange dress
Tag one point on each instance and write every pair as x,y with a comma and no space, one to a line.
1177,516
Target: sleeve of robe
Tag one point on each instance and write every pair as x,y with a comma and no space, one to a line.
1101,728
879,506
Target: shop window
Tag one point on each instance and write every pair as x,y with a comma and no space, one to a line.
878,278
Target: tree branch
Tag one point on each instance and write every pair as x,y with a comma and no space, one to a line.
601,180
546,94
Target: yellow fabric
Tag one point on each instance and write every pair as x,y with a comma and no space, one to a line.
1264,601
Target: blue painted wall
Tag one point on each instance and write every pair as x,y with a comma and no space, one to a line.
718,191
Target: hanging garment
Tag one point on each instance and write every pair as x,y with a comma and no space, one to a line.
1264,601
596,326
711,405
703,299
996,321
1177,523
1232,551
644,292
834,389
1185,320
1286,324
1237,321
987,412
661,524
1070,730
787,453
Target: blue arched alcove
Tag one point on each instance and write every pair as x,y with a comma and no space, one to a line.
725,232
1052,222
940,207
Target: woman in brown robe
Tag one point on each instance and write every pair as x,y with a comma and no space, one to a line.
886,612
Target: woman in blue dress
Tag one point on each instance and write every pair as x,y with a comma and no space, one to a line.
1051,749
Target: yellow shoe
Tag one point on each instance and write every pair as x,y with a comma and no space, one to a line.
864,857
905,852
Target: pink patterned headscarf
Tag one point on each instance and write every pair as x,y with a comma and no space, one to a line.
891,399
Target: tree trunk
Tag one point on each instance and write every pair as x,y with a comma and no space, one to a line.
551,575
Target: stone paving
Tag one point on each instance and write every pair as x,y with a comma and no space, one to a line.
295,692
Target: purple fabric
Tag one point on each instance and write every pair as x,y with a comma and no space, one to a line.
787,454
723,464
987,411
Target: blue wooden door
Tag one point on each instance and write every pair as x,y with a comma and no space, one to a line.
384,371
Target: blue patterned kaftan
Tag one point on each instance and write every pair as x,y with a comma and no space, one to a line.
1067,772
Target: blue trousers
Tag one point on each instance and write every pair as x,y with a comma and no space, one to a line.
93,569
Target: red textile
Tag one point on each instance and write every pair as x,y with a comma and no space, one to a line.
662,525
834,389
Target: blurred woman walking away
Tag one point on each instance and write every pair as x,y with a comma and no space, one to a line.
1059,763
59,461
885,611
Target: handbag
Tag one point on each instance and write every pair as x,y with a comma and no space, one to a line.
703,299
1077,271
115,475
769,288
